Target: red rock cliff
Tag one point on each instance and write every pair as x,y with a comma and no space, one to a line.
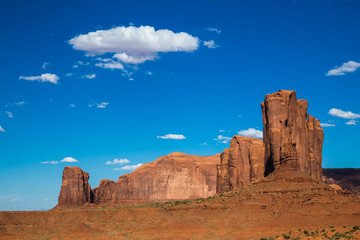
241,164
177,176
75,189
293,139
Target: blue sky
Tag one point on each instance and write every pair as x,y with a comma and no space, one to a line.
92,81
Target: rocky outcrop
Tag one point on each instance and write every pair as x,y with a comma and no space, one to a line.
241,164
177,176
75,189
293,139
346,178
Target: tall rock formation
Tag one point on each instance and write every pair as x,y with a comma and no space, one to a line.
177,176
75,189
241,164
293,139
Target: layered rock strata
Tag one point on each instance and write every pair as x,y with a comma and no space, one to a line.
293,139
75,188
241,164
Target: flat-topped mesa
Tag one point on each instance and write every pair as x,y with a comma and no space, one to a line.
75,189
177,176
241,164
293,139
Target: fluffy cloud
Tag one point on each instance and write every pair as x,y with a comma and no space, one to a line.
1,129
129,167
109,63
46,77
210,44
118,161
50,162
216,30
343,114
351,122
90,76
251,132
134,44
69,159
10,114
222,139
172,136
99,105
349,66
327,125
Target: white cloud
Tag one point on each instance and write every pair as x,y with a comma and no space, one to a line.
251,132
221,130
131,79
216,30
10,114
149,73
327,125
343,114
351,122
68,74
118,161
110,65
129,167
19,103
203,144
90,76
72,105
349,66
210,44
69,159
222,139
80,63
99,105
134,44
44,65
46,77
1,129
172,136
50,162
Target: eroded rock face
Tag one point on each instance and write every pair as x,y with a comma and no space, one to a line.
75,189
177,176
293,139
346,178
241,164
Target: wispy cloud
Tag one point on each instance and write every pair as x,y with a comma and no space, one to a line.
44,65
129,167
10,114
50,162
343,114
46,77
173,136
251,132
222,139
349,66
109,63
210,44
72,105
99,105
1,129
80,63
19,103
90,76
351,122
203,144
134,45
118,161
216,30
69,160
327,125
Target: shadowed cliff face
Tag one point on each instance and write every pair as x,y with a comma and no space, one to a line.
346,178
177,176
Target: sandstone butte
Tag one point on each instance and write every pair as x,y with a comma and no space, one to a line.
177,176
293,140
